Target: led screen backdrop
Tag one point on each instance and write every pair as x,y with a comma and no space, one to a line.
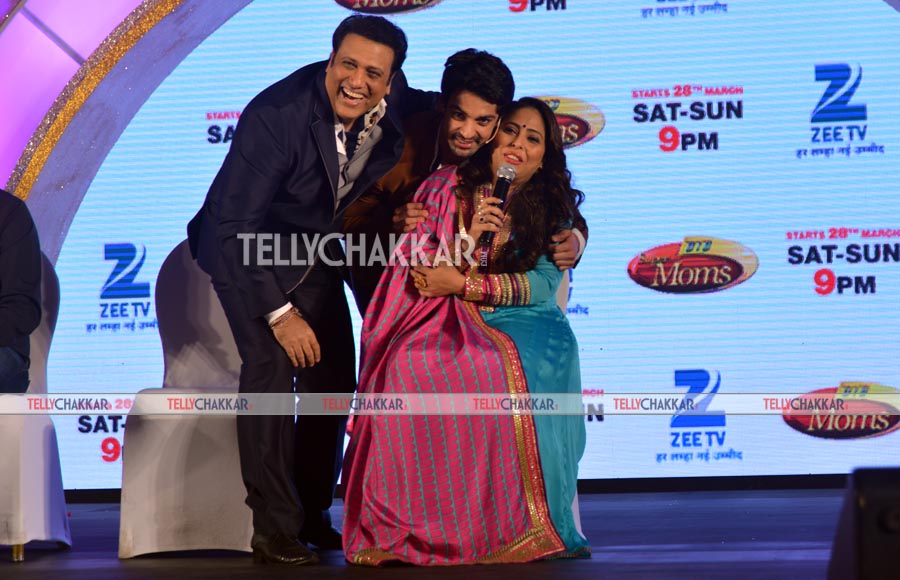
739,161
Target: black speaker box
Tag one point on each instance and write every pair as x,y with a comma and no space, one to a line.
867,541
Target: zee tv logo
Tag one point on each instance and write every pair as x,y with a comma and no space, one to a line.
834,111
121,284
521,5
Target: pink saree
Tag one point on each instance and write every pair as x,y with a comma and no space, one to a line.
452,489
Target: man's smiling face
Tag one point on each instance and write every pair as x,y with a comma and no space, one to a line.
358,76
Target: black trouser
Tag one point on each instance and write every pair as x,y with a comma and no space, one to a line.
364,280
290,469
13,371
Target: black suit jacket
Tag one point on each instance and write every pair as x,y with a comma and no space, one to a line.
20,274
280,176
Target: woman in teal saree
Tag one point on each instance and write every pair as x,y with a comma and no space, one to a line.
465,489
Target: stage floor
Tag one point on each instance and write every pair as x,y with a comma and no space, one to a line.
721,535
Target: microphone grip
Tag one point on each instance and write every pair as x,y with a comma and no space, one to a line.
500,192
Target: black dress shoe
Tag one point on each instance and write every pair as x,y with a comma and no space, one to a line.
324,538
280,549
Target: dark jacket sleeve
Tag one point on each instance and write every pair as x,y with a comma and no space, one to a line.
580,224
409,101
244,188
20,273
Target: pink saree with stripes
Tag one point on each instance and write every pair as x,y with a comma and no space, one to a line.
450,489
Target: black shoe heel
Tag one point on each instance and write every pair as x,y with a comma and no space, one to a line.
280,549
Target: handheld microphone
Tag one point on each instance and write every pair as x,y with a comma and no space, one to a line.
505,175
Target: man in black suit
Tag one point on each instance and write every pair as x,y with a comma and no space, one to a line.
304,149
20,291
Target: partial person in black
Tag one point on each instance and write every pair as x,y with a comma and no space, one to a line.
20,291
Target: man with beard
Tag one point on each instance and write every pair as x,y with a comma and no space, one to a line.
475,86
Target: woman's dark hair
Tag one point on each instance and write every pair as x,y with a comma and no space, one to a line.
377,29
540,207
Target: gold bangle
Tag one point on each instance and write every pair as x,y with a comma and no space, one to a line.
474,291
